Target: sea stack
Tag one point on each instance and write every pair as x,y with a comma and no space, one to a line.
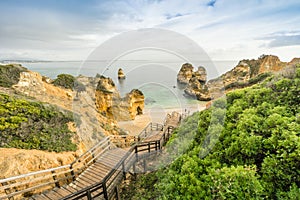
195,82
110,104
185,73
121,74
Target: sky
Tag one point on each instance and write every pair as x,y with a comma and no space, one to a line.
225,29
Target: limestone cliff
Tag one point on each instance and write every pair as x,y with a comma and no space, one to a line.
92,126
19,161
246,73
110,104
32,84
249,72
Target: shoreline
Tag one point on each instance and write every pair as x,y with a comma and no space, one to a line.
156,115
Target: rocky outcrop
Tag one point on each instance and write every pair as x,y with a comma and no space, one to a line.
246,73
136,103
32,84
91,126
195,82
185,73
110,104
121,74
20,161
197,90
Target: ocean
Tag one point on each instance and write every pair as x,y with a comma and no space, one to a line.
157,80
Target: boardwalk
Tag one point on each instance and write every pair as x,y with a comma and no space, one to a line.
95,175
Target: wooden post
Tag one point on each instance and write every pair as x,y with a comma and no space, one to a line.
89,195
145,165
105,191
55,178
124,172
117,193
148,147
72,173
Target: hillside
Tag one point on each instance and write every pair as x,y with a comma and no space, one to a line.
246,146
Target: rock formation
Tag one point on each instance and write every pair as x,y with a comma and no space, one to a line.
20,161
195,82
196,87
32,84
185,73
121,74
198,90
246,73
110,104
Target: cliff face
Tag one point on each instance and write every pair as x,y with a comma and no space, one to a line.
32,84
110,104
247,72
19,161
92,126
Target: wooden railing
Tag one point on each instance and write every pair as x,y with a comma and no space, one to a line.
108,187
24,185
28,184
149,129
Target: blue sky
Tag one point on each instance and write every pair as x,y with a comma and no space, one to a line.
225,29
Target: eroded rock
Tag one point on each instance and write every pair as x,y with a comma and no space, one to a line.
185,73
121,74
110,104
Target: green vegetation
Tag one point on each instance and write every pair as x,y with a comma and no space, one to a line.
256,79
33,125
69,82
10,74
254,153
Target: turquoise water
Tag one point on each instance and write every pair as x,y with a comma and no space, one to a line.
156,80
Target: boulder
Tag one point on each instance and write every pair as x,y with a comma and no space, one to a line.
121,74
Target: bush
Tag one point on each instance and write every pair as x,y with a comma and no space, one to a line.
10,74
69,82
33,125
255,155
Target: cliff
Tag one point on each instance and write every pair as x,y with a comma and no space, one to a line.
89,127
246,73
110,104
20,161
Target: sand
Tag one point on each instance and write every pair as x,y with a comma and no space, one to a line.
156,115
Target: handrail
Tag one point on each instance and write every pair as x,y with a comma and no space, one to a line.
68,173
24,183
148,129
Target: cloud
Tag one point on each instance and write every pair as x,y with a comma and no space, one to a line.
37,27
282,39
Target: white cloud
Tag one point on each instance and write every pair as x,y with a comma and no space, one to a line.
226,29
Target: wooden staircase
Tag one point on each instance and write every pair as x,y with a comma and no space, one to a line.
97,174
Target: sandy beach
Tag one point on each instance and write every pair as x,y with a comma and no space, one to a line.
157,115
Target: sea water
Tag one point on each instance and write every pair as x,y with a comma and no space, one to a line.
157,80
